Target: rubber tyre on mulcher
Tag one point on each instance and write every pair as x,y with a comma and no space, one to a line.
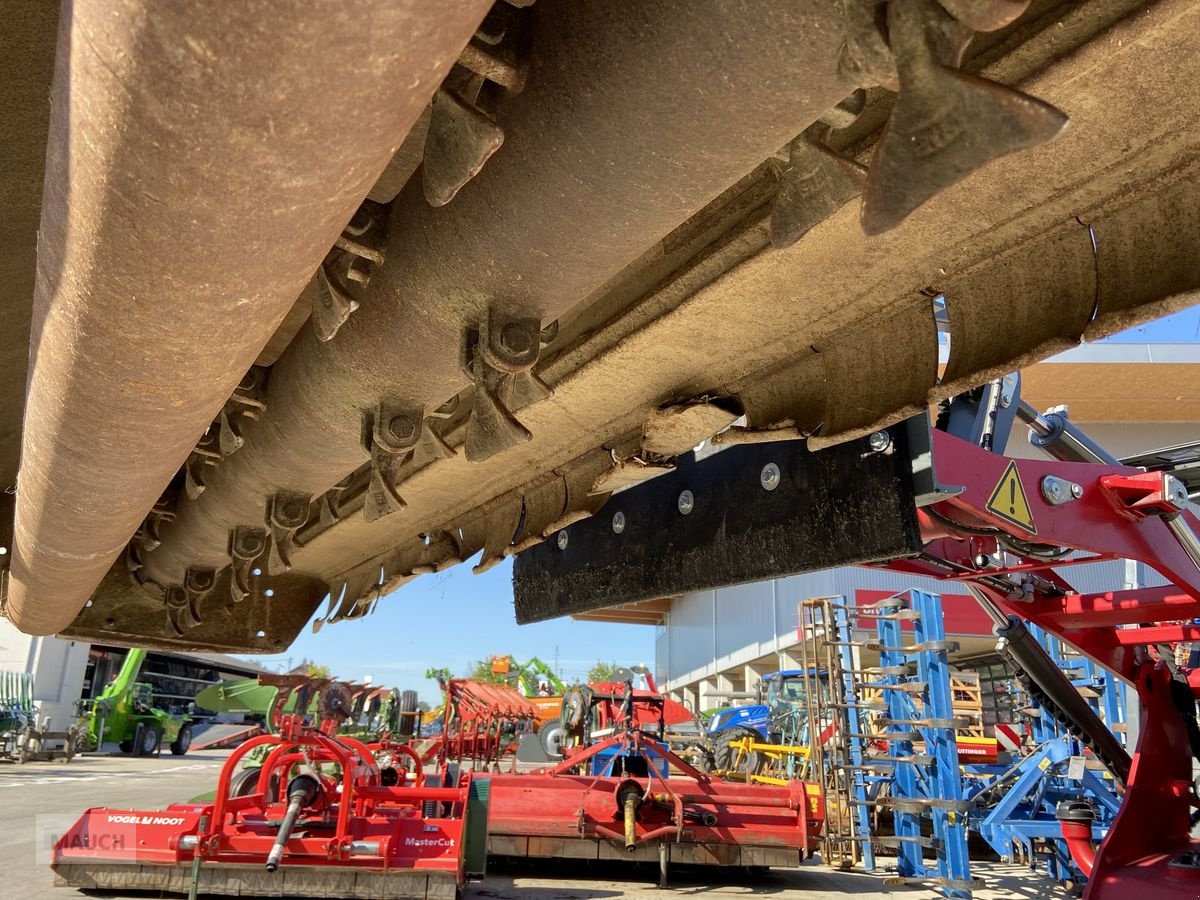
147,743
551,735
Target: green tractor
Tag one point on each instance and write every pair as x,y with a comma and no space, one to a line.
124,714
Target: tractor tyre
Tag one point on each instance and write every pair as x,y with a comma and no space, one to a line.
182,741
408,705
147,742
551,735
728,759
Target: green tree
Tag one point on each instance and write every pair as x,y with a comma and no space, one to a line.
307,667
481,670
602,671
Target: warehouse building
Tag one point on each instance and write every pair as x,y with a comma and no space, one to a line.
66,671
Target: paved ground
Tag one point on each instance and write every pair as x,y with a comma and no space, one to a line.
36,798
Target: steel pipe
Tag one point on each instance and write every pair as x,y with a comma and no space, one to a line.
635,115
1061,438
202,159
1075,819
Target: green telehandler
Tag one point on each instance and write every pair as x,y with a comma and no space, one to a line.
124,714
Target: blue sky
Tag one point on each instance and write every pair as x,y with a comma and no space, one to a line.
453,618
1181,328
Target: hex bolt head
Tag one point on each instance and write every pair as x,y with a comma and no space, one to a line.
1076,490
879,441
562,540
769,477
516,338
401,428
618,522
686,502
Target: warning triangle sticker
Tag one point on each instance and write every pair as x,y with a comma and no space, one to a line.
1008,500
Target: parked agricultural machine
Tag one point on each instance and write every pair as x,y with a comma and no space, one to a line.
538,683
319,818
481,725
637,811
307,811
25,734
599,709
370,710
124,714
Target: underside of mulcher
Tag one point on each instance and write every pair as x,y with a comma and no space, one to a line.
301,304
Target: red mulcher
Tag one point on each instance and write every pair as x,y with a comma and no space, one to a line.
292,829
687,817
297,832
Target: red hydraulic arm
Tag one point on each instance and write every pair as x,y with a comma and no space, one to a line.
1008,527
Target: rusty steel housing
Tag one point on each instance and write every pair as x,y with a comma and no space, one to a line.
326,301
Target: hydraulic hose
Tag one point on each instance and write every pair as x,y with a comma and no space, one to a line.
1058,697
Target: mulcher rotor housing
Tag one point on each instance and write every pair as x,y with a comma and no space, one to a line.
302,304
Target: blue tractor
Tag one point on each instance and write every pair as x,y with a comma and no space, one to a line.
779,717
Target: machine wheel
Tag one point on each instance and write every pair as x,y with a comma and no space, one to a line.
146,744
727,759
551,735
701,757
245,783
575,707
182,741
408,704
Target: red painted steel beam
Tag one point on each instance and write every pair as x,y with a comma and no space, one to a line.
1090,523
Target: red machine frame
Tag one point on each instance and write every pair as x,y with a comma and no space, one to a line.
1109,512
687,818
359,836
479,723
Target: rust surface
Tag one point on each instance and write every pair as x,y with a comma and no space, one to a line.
598,162
177,229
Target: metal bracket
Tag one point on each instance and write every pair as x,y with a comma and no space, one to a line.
389,435
246,544
183,601
500,357
285,514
